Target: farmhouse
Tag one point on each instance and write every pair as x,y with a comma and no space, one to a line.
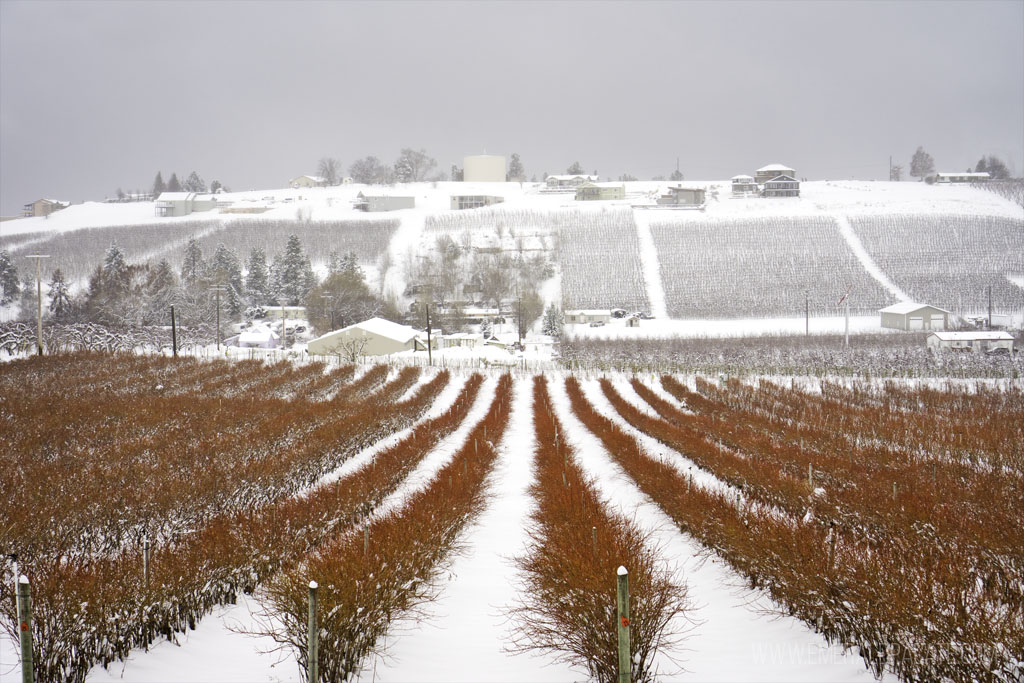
259,336
483,168
174,204
286,312
978,342
474,201
744,186
911,316
688,197
43,207
307,181
464,340
373,337
585,316
568,182
594,192
781,186
766,173
961,177
382,202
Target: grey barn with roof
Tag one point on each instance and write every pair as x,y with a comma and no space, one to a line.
912,316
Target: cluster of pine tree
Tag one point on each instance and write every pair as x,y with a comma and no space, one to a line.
123,295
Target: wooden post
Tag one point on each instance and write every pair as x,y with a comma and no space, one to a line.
894,492
312,638
145,562
593,530
625,662
174,335
366,539
25,629
810,475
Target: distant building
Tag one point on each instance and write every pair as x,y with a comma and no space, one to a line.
962,177
474,201
175,204
568,182
744,186
483,168
766,173
383,202
977,342
464,340
586,316
259,336
286,312
910,316
43,207
307,181
595,192
684,197
373,337
781,186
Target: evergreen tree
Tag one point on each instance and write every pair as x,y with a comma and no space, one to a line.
160,289
412,166
575,169
194,183
921,164
333,263
158,185
676,176
516,172
994,166
174,185
116,277
60,296
194,268
294,273
257,284
29,296
553,321
216,186
10,288
226,270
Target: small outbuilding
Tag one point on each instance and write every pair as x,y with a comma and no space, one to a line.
258,336
910,316
175,204
474,201
602,192
945,178
977,342
307,181
373,337
568,182
683,197
383,202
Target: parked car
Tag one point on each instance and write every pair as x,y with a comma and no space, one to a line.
597,323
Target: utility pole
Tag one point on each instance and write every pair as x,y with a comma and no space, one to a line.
990,307
807,313
174,335
39,301
217,289
430,355
330,303
519,319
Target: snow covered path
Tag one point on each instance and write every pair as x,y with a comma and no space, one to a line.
466,632
738,636
651,265
846,230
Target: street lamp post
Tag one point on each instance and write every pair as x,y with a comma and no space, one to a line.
39,300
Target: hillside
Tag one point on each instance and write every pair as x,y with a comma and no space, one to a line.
738,259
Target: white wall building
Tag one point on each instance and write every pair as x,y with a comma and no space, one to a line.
483,168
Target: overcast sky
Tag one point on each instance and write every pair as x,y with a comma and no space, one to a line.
100,95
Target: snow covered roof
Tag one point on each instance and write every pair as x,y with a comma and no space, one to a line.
175,196
773,167
573,177
962,175
783,178
747,178
257,334
384,328
973,336
314,178
909,307
590,311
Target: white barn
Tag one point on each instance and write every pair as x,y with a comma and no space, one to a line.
976,342
912,316
373,337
